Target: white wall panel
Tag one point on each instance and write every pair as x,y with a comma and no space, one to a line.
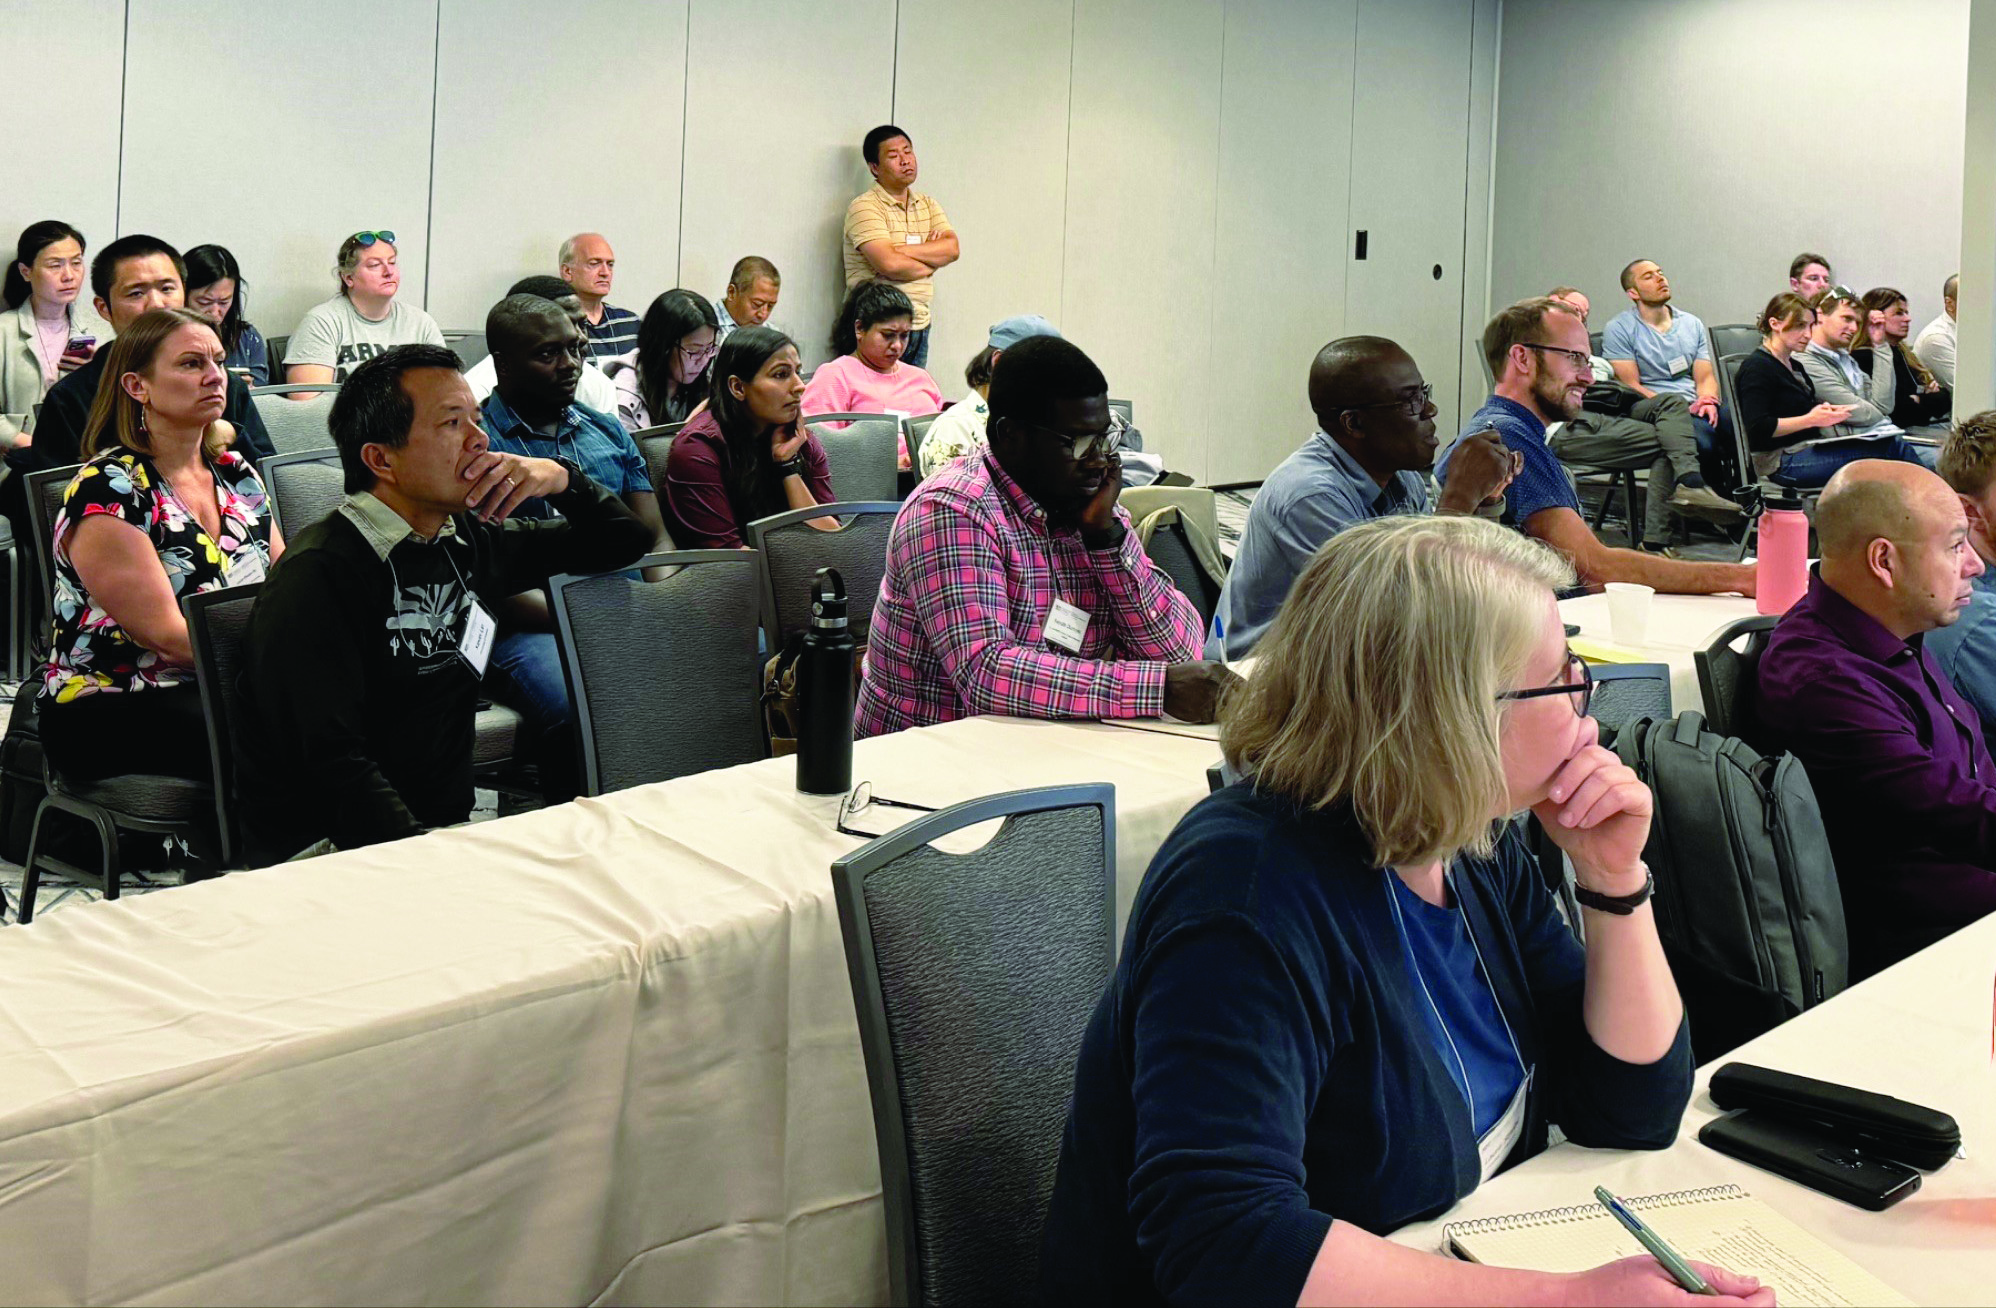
984,91
1143,159
59,152
1279,269
318,127
545,129
780,94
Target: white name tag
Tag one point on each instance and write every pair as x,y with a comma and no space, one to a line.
1067,626
245,567
1678,364
476,643
914,238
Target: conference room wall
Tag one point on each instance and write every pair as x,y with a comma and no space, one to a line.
1723,138
59,153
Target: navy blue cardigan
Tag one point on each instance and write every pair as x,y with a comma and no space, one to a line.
1258,1066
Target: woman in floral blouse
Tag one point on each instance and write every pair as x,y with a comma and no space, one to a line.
161,510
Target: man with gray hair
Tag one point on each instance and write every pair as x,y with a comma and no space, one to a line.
753,288
1935,343
589,265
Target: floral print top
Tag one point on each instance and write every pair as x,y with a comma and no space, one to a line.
89,651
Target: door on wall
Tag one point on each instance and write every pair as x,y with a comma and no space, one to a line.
1409,159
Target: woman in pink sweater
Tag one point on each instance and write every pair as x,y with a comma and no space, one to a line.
868,375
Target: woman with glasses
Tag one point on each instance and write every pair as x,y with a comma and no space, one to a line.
867,375
1867,430
1345,996
666,379
215,291
363,320
747,454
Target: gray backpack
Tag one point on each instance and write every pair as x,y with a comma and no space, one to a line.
1746,894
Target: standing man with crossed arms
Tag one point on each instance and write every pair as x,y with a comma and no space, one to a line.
897,234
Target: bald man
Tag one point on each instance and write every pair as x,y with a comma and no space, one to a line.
1896,756
1369,457
589,265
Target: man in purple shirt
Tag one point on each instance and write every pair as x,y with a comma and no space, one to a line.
1897,758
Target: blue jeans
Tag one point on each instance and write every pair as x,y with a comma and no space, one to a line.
525,676
1813,467
917,351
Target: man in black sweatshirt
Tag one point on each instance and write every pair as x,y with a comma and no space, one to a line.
362,659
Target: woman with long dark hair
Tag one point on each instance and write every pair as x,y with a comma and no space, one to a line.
48,328
748,454
1919,399
868,375
666,377
215,291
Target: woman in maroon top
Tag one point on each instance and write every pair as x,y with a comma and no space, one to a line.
747,455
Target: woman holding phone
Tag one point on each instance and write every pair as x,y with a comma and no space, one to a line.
215,291
48,328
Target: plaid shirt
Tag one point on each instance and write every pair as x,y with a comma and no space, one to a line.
972,572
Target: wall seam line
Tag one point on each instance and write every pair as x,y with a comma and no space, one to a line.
124,89
430,202
685,111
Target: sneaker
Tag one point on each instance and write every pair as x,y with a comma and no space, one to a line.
1704,501
1661,551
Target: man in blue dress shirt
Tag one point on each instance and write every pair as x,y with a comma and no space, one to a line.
1966,648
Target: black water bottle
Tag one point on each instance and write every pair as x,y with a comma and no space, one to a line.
824,692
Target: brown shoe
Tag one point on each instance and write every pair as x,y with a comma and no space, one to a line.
1703,501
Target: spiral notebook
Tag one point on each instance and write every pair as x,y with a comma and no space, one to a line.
1723,1225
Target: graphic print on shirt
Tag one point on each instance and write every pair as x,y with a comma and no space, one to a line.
353,355
422,625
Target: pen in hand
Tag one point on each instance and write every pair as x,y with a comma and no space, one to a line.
1680,1271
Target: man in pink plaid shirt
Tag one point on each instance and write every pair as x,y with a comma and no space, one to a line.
1014,584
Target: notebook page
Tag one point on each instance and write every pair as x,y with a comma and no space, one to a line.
1723,1225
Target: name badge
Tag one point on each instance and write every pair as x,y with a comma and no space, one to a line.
1678,365
914,239
244,568
476,642
1067,626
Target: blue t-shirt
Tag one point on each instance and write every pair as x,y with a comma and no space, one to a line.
1966,651
1663,359
1468,1032
1542,483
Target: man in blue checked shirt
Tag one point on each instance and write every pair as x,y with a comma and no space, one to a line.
537,355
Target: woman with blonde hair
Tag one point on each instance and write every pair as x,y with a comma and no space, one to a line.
161,510
1345,996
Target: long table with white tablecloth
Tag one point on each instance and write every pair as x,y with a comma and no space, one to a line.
1679,625
604,1052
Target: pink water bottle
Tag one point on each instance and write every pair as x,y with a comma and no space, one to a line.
1782,575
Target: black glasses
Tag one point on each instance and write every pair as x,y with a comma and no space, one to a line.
861,799
1081,447
1579,681
1415,403
1578,358
365,239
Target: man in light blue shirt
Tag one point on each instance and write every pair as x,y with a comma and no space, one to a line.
1657,350
1966,650
1369,457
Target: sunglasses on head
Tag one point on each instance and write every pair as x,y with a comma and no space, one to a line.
365,239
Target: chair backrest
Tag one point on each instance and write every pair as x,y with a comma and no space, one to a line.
296,424
470,347
655,443
918,427
1125,407
1727,669
1624,692
792,551
863,455
44,496
1733,338
1593,344
663,676
1729,396
304,487
277,347
216,622
1170,550
974,976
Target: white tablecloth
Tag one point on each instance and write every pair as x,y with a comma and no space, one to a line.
604,1052
1920,1031
1678,625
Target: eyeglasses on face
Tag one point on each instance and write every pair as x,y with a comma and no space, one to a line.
365,239
1578,358
1083,447
1415,402
860,800
1578,681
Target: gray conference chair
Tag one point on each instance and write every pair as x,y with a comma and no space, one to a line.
1733,338
304,487
43,492
863,455
277,347
663,676
974,976
1624,692
216,623
296,425
1727,670
1126,408
1171,551
471,349
792,551
655,443
918,427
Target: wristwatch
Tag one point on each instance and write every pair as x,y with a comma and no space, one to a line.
1620,905
791,467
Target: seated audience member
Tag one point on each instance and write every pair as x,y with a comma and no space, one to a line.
1014,583
362,660
1783,419
753,289
593,387
129,276
1965,650
44,332
1935,343
1809,275
1357,940
215,291
532,412
666,378
1537,351
1896,756
1869,432
589,265
161,510
1660,350
866,373
1920,403
363,320
959,429
748,454
1655,431
1369,457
